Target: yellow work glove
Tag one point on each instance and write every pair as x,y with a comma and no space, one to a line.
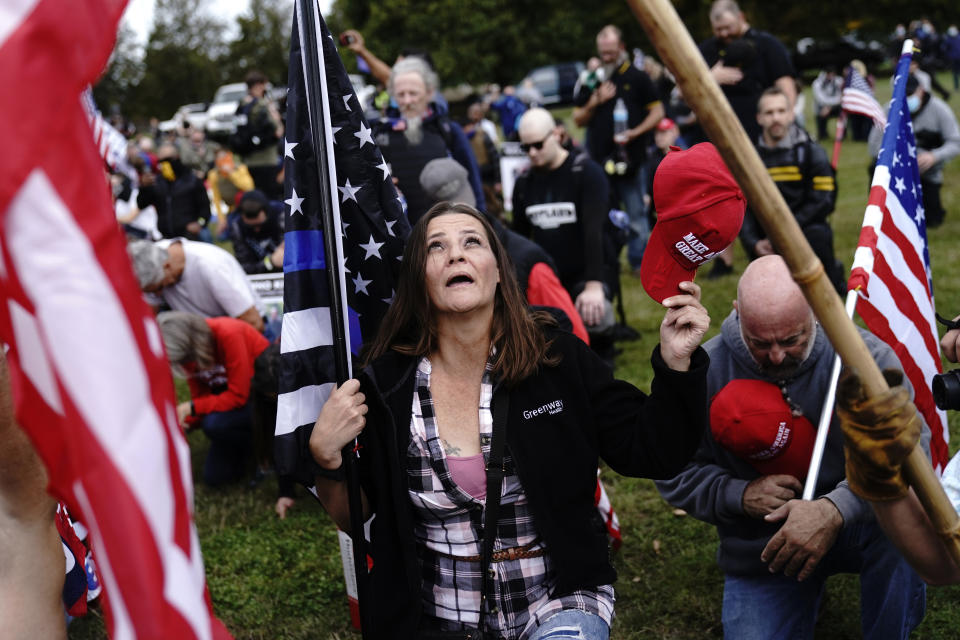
880,433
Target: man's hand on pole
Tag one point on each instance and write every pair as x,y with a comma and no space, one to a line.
879,433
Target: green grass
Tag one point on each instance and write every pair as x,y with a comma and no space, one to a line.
282,579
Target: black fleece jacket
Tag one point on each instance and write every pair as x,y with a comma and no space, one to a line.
558,423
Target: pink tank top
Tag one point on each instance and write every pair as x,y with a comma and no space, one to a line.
469,474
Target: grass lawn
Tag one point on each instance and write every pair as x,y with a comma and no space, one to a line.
283,579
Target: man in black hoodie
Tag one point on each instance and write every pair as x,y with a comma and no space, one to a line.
258,233
180,198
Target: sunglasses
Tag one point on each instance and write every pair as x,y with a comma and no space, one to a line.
526,146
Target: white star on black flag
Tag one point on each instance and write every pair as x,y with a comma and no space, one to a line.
372,225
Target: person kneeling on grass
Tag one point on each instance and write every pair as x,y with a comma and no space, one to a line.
217,357
463,379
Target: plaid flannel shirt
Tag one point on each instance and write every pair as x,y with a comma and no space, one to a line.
450,521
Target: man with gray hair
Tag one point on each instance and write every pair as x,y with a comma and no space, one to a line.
415,133
197,277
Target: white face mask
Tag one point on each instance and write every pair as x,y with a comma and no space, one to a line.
952,31
913,103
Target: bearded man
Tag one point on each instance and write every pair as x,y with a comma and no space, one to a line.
416,133
769,375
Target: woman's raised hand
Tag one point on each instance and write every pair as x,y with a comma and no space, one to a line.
683,327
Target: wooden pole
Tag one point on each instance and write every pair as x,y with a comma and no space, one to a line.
679,53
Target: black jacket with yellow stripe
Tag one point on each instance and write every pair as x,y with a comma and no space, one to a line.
800,168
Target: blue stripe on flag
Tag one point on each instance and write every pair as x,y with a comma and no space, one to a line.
303,250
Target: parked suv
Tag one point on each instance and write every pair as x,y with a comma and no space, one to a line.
222,114
555,82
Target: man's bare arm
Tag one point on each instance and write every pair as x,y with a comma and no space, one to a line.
252,317
31,563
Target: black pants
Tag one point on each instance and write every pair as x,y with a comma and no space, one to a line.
932,207
822,122
265,179
820,237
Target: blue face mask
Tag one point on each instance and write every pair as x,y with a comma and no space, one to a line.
913,103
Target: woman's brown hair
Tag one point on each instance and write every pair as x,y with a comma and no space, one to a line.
409,327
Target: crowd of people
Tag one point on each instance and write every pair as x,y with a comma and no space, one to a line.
484,413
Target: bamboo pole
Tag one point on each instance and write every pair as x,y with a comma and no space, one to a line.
679,53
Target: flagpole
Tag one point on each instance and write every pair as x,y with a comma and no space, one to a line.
826,414
680,54
313,79
838,138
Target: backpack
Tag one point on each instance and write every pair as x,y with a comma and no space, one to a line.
255,129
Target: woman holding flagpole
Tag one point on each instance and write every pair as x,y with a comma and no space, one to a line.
480,425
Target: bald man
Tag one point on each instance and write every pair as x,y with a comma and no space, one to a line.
777,550
561,202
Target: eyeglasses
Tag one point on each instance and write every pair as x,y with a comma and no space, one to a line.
526,146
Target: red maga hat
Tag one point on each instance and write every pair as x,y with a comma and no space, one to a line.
699,213
665,124
751,419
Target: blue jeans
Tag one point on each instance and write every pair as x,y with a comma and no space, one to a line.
572,625
231,439
774,607
629,191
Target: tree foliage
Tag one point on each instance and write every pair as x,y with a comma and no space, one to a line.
263,42
480,41
189,52
124,71
188,55
180,51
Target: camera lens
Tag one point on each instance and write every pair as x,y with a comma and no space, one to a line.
946,390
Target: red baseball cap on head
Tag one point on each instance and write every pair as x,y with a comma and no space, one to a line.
699,214
665,124
751,419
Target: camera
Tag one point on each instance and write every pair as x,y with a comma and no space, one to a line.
347,39
946,386
946,390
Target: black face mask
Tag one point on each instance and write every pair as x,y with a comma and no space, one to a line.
175,165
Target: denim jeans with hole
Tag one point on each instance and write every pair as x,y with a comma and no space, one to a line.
572,625
892,596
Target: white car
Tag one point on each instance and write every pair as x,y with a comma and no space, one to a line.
194,114
222,114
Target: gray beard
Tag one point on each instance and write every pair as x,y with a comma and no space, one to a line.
610,69
414,131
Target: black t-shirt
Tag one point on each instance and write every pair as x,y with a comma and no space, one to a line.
762,58
639,96
563,211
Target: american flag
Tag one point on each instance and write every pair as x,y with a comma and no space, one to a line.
857,97
111,144
891,268
90,380
360,191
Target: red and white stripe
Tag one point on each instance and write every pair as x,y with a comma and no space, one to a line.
91,383
857,101
111,144
895,299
